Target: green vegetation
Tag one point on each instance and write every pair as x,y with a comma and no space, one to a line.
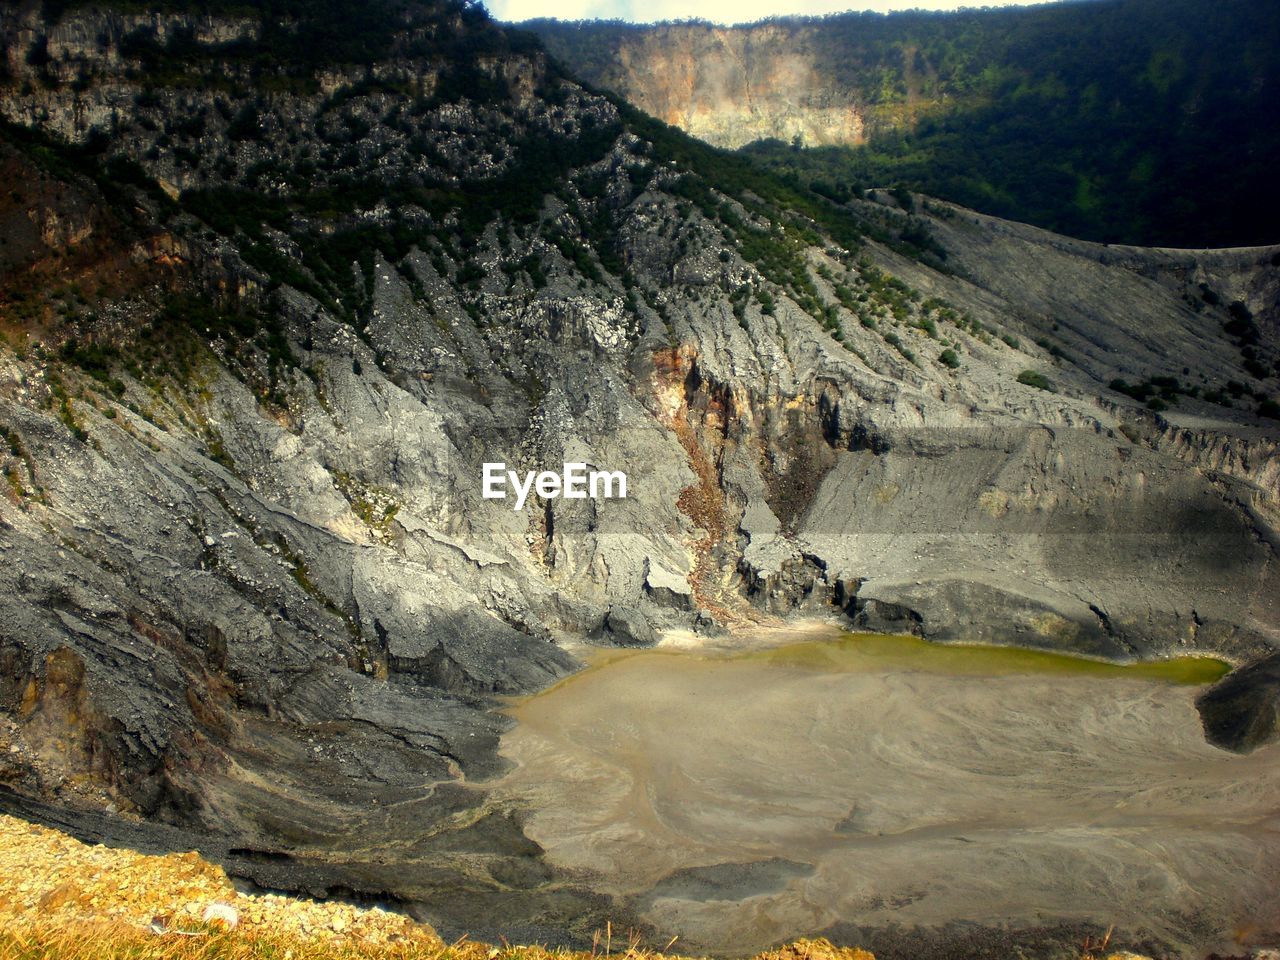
1137,121
1033,378
59,400
893,340
174,344
1241,328
1156,392
772,223
96,360
375,506
10,440
307,229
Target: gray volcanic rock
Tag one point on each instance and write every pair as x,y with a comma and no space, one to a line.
628,627
666,588
1242,711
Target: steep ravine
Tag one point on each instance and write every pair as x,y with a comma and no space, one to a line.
261,332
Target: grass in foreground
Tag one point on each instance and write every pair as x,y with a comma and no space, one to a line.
43,940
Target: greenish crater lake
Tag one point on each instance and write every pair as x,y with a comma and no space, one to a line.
878,651
816,781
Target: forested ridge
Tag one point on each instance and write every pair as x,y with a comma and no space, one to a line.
1128,121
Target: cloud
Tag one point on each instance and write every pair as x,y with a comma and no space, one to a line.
718,11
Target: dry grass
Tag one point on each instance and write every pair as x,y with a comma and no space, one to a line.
107,940
42,940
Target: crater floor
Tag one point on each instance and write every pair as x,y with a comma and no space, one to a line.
745,797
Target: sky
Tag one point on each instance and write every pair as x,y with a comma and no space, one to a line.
718,11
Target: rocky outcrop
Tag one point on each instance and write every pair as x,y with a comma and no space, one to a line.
627,627
1242,712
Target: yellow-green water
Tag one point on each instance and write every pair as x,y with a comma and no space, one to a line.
861,652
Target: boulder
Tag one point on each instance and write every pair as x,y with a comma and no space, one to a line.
1242,711
628,627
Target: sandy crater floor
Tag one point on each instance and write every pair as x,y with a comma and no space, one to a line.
750,797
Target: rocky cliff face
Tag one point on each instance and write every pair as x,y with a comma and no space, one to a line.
732,86
780,80
265,320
